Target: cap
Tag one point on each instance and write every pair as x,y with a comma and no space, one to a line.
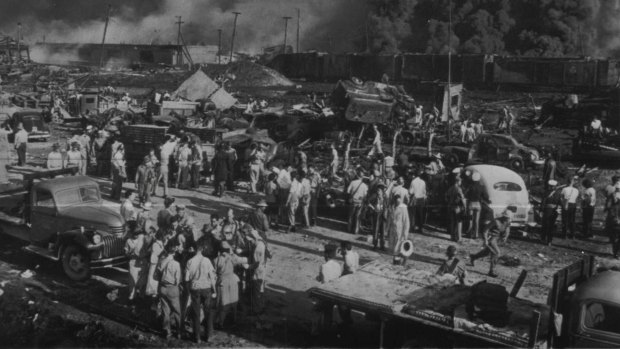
147,205
262,203
180,207
475,177
552,182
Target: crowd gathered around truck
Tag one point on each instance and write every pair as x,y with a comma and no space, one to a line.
475,186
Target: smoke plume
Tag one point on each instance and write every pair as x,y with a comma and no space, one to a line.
324,25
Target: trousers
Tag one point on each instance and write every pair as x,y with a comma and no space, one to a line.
202,300
355,210
21,154
491,249
171,307
568,220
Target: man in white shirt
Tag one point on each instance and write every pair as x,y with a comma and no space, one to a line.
283,180
376,143
304,200
569,195
596,126
417,193
292,200
397,188
166,151
21,143
356,193
127,210
54,158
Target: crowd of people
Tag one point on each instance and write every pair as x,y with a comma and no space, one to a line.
194,275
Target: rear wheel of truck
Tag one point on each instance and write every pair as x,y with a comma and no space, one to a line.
75,263
517,164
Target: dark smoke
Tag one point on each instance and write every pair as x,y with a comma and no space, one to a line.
522,27
325,25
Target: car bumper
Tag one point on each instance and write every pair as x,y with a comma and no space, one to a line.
108,262
38,136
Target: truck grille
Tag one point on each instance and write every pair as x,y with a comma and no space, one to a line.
112,246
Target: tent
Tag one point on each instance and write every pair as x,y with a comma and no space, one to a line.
200,87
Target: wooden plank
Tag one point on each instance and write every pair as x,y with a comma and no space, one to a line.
518,284
534,324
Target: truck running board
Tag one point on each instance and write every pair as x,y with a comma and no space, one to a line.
43,252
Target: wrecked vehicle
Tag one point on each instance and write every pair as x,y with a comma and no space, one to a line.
597,149
573,112
582,311
65,220
499,149
33,122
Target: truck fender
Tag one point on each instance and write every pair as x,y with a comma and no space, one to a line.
72,237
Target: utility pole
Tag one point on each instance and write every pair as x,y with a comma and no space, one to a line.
286,18
19,35
219,46
232,41
105,31
298,20
179,52
449,128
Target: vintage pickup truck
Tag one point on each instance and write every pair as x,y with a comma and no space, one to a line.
65,220
423,309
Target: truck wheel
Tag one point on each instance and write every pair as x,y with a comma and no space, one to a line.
75,263
517,164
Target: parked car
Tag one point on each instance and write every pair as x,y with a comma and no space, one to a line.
498,149
33,122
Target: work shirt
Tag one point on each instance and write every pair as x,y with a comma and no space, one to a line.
135,248
476,193
271,192
188,222
259,260
330,270
54,160
127,211
166,150
183,155
170,271
284,179
357,191
351,262
315,181
163,218
417,188
569,195
400,191
305,189
199,273
74,158
259,221
455,267
294,193
589,197
21,137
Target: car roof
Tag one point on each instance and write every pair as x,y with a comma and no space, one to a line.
603,286
62,183
497,172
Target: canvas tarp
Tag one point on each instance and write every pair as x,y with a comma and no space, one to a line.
200,87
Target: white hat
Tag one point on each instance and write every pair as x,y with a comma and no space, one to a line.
89,127
147,205
406,248
552,182
475,177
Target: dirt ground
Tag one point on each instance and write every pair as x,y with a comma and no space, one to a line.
49,310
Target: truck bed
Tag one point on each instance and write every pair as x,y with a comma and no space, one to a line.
420,296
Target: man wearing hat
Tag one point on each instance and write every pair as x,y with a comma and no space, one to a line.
168,273
315,189
145,176
356,193
201,280
377,203
453,265
75,158
257,268
417,192
137,250
498,228
475,195
143,220
550,206
21,143
54,158
186,222
258,219
570,195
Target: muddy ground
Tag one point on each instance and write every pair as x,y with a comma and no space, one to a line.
47,309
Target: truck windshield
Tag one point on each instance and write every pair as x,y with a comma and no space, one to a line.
76,196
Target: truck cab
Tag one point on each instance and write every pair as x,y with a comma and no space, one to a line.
64,219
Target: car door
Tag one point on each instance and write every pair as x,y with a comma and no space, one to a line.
599,325
43,216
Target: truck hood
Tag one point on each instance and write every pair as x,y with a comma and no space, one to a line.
93,215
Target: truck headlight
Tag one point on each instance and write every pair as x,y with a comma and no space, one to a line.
96,239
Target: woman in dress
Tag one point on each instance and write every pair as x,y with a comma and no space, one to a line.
227,283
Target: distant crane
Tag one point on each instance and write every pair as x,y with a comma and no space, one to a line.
232,41
105,31
286,18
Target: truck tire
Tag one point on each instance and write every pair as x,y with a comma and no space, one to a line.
75,263
517,164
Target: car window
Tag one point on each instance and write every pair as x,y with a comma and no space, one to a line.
44,199
76,196
507,186
602,317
